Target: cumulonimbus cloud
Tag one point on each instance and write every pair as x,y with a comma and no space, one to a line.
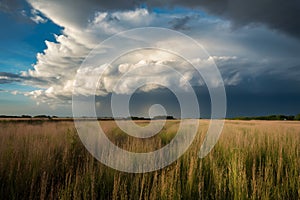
57,66
86,23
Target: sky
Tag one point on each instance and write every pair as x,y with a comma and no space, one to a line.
255,45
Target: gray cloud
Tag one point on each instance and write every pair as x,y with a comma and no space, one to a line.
180,23
9,78
6,77
110,18
10,5
280,15
291,73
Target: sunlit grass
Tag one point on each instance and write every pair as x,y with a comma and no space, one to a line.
252,160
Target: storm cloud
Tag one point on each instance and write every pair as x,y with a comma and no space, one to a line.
281,15
255,44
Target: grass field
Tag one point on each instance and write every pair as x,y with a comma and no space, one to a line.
252,160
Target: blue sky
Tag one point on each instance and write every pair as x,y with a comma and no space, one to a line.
21,40
43,43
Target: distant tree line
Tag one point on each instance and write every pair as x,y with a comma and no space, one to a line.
271,117
168,117
28,116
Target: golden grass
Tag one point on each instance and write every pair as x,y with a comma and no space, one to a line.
252,160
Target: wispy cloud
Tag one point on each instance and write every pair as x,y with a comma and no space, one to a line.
36,17
9,78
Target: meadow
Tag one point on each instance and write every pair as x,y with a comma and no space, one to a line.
252,160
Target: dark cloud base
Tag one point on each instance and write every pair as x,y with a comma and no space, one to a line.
239,103
282,15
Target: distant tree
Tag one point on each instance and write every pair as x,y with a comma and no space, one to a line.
297,117
169,117
42,116
25,116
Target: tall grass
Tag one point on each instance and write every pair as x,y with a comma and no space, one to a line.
252,160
